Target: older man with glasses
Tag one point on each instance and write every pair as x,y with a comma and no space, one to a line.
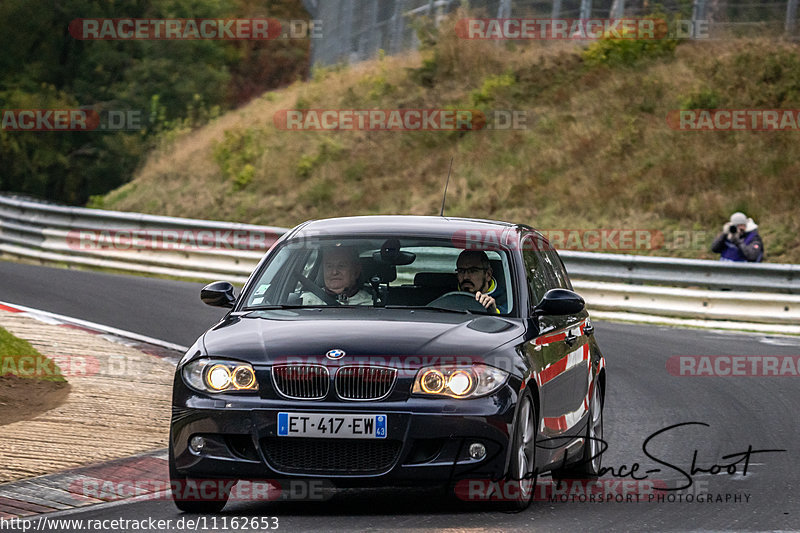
474,273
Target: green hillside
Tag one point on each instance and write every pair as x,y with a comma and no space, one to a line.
596,151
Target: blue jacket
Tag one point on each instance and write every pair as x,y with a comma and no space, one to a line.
732,248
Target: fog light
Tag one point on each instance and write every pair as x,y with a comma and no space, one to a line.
197,444
477,450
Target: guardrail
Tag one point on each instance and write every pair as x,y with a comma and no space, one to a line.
683,272
49,233
73,235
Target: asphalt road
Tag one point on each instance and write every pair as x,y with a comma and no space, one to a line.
642,399
163,309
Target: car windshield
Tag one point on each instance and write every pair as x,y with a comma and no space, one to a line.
383,272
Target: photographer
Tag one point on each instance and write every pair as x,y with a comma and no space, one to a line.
739,240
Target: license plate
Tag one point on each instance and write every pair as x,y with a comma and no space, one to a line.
331,426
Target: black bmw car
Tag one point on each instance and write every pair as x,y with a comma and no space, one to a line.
364,351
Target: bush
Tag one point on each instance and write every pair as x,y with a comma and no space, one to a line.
237,155
491,85
703,99
613,51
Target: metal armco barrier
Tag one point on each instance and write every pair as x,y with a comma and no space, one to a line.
73,235
654,285
770,308
683,272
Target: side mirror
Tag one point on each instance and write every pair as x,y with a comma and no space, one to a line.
559,302
218,294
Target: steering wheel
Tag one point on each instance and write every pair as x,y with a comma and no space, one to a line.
458,301
312,287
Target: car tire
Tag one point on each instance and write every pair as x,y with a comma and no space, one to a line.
522,468
590,463
194,506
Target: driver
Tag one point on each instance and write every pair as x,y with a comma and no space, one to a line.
340,270
474,274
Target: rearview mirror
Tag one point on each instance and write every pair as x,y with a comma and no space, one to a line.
391,254
559,302
218,294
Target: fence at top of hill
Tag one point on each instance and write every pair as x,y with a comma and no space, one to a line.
355,30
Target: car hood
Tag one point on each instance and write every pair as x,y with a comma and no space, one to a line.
267,337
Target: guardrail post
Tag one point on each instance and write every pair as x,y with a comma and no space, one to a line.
791,18
556,13
504,9
617,9
586,9
699,13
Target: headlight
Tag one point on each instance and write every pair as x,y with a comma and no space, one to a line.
458,382
212,375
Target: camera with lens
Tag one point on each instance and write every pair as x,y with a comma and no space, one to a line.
733,229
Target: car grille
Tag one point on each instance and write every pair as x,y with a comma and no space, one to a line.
330,456
364,382
301,381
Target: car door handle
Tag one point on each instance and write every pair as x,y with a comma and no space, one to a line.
570,339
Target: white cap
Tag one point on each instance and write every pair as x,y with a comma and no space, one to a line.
738,218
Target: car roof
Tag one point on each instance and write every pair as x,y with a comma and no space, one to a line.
401,224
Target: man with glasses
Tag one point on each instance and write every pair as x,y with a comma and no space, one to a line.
474,274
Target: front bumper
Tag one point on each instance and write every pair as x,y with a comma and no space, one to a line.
427,440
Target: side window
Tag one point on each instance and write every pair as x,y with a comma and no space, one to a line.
311,262
536,271
558,269
309,265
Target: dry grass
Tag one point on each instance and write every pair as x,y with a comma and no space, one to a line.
597,151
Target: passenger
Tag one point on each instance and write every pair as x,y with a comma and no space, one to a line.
739,240
474,274
340,270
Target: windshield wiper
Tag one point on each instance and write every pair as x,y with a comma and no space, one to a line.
268,307
429,308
